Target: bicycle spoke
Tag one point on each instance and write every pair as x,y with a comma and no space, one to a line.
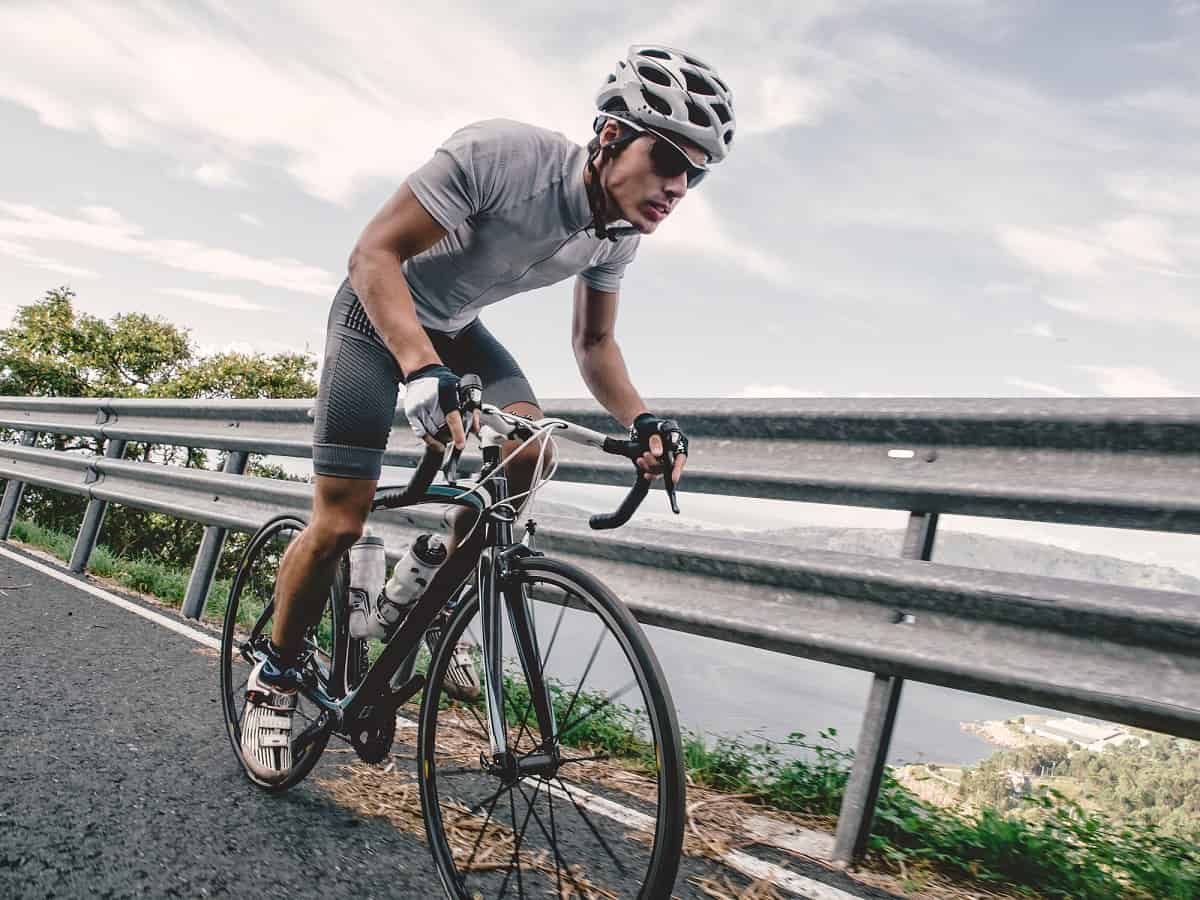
483,732
599,757
517,843
480,805
523,730
587,670
552,840
562,610
591,826
608,701
519,837
479,839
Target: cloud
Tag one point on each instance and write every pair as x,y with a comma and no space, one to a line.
1054,253
1143,238
215,298
785,100
1174,193
106,229
1038,330
1132,381
337,114
26,255
217,174
1038,387
694,227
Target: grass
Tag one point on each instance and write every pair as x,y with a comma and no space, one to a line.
1062,851
144,575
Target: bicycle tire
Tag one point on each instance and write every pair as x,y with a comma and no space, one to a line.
329,663
669,817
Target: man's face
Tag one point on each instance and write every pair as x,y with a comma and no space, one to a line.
644,197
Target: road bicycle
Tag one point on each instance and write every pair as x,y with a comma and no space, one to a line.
566,773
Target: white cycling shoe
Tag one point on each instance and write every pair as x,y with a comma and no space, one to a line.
267,729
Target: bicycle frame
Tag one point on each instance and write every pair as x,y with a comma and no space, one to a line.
495,590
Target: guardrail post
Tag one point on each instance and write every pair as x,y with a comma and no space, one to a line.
93,518
883,702
211,546
13,492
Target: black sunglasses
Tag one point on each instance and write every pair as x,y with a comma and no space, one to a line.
667,157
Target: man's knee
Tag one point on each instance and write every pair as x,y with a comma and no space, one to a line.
333,533
525,460
340,509
523,463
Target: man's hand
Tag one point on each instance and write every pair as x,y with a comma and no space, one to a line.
650,431
431,402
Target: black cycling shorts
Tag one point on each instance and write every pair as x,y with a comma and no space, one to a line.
360,383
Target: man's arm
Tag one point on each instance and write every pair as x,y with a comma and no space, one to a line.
401,229
600,361
603,367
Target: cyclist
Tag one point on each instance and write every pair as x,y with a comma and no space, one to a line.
501,208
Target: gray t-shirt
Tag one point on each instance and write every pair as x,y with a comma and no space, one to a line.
512,200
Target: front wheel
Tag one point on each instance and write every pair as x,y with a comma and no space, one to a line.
594,806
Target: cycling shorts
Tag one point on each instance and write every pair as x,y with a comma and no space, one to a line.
360,382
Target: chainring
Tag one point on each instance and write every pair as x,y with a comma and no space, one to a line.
372,735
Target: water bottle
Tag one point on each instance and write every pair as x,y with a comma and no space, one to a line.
368,571
410,578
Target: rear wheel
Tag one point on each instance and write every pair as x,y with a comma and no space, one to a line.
596,806
249,618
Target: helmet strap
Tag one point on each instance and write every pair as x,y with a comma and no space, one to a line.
598,198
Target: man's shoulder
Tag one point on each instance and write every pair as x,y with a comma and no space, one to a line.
508,137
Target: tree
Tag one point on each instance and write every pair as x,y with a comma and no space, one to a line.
51,350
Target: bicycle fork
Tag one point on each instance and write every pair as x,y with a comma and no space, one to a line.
502,596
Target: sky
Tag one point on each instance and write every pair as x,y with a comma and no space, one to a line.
928,197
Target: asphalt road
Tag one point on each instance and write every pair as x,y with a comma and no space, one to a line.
117,779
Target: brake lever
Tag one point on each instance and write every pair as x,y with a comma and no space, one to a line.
668,464
470,398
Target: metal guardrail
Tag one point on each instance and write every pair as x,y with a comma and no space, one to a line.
1124,654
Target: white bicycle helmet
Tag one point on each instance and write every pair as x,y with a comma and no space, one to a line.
668,89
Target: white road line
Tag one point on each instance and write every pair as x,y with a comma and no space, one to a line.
750,866
158,618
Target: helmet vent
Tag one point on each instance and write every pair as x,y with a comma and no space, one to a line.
657,103
698,116
656,54
729,136
658,76
724,87
722,112
698,84
694,62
